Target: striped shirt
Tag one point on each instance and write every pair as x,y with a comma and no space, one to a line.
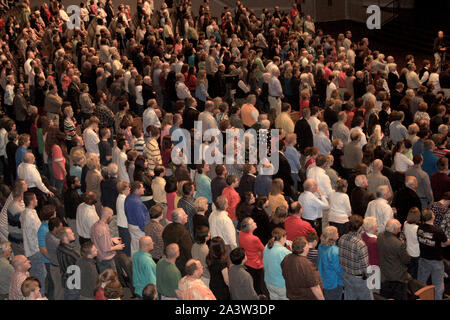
353,254
139,145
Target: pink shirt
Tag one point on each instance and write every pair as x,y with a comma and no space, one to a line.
101,237
57,156
170,204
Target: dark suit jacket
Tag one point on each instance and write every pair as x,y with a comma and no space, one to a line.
405,199
179,234
359,199
396,97
247,183
304,135
189,116
284,173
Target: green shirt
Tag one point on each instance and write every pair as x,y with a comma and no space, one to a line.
144,271
167,278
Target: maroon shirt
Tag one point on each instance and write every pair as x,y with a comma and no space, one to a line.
440,183
372,247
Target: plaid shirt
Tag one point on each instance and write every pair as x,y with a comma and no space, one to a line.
353,254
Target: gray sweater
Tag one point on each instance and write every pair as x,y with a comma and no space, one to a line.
241,284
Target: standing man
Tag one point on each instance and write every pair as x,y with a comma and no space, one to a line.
354,261
439,50
394,260
167,273
380,208
101,238
6,269
21,266
30,225
67,257
88,270
51,243
275,90
137,214
431,241
144,268
313,205
360,197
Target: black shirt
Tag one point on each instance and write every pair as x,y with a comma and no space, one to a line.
105,150
430,240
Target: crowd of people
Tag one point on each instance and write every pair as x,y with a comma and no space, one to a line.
94,205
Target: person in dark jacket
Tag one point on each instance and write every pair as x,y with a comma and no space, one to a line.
394,260
219,183
109,187
67,256
241,282
303,131
360,197
247,182
406,198
176,232
88,270
190,114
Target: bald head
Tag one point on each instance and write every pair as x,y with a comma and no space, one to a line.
172,251
28,157
145,244
377,165
393,226
310,185
106,214
20,263
411,182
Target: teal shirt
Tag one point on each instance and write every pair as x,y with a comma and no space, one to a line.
144,271
272,265
167,278
42,233
203,187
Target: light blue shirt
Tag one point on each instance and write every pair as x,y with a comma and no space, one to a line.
272,259
144,271
397,131
203,187
293,157
275,89
42,233
329,268
322,142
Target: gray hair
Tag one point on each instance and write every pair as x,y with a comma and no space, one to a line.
392,225
4,245
410,181
359,180
377,164
220,203
382,191
177,214
369,223
112,170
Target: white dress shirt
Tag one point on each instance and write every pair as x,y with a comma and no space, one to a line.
150,118
322,179
123,173
182,91
312,205
380,209
220,225
91,141
314,124
86,217
31,175
207,120
340,208
120,207
30,223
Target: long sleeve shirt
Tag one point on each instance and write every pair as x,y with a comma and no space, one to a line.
353,254
86,217
312,205
381,210
136,211
275,88
220,225
101,237
322,179
30,225
32,177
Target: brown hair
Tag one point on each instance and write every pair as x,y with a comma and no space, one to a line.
413,216
277,235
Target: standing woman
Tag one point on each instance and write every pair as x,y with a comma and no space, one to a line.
201,89
401,161
217,261
329,268
340,209
70,126
55,146
276,197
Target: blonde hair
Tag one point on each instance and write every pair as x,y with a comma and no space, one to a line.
200,203
277,186
92,161
329,236
122,186
78,157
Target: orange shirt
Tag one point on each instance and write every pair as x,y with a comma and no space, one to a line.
253,249
233,200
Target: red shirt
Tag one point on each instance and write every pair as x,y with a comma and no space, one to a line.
372,248
58,155
233,200
253,249
296,227
33,134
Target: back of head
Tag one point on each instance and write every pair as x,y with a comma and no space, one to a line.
149,292
237,255
298,245
355,222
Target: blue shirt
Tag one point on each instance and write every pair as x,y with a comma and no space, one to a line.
136,211
293,157
329,268
429,162
42,233
263,183
417,147
272,265
203,187
20,153
144,271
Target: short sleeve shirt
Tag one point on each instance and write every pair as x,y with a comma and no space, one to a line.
57,156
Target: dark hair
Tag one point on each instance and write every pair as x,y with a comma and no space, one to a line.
155,211
188,187
220,168
201,233
231,179
121,143
260,201
28,196
47,212
86,248
417,159
149,292
355,222
277,235
311,237
427,215
190,268
53,223
158,170
113,290
217,251
237,255
171,185
135,185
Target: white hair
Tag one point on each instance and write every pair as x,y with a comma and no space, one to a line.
369,223
392,225
359,180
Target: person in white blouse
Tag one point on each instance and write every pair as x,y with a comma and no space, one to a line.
319,174
313,205
86,216
123,146
220,224
412,243
181,89
358,125
380,208
90,136
401,162
27,171
331,86
340,208
30,224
